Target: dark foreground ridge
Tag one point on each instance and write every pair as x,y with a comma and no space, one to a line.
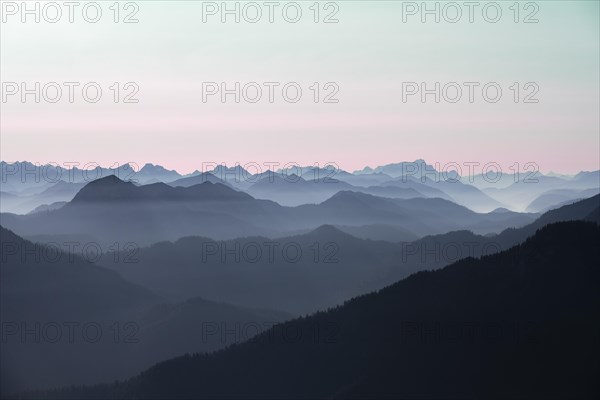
521,323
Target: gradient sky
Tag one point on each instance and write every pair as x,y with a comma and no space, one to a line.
369,53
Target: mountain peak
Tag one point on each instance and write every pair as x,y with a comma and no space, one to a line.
112,188
108,181
107,188
154,167
351,195
330,233
328,230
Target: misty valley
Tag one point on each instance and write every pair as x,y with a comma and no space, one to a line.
343,199
111,288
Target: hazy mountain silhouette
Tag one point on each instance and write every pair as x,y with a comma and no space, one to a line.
48,207
298,274
494,179
150,172
388,233
518,324
197,325
522,193
575,211
23,203
197,179
465,194
558,197
50,274
112,188
41,285
578,210
60,291
391,191
22,177
364,180
27,178
411,183
396,170
478,192
294,190
196,266
484,192
419,216
115,210
448,182
587,179
236,173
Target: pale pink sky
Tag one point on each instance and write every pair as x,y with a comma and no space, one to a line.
368,54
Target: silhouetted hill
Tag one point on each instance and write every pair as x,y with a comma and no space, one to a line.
115,210
588,178
518,324
379,232
403,168
63,188
113,189
107,189
573,211
49,287
150,172
48,297
332,266
366,179
579,210
23,203
297,274
465,194
63,281
476,192
354,202
294,190
411,183
526,188
558,197
197,325
197,179
318,187
48,207
420,216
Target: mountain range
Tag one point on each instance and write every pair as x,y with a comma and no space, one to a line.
66,320
23,183
114,210
204,275
519,323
